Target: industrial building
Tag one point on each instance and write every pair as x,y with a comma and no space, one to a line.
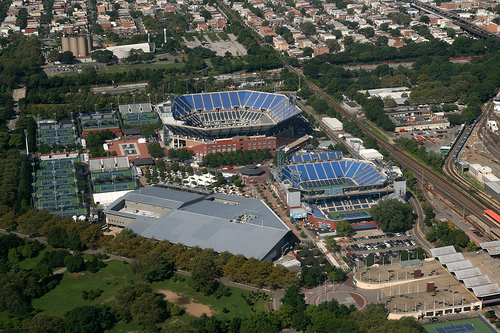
80,46
222,222
333,124
123,51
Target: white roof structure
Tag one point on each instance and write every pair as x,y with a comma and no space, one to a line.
333,123
486,290
219,221
459,265
493,247
487,245
449,258
441,251
370,154
108,197
477,281
468,273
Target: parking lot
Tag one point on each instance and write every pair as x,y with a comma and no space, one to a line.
432,140
358,248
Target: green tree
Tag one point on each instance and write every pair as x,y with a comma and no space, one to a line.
46,323
57,237
203,274
155,150
393,215
152,267
343,228
89,319
74,263
331,243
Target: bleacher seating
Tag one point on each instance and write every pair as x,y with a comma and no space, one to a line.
362,173
326,156
278,106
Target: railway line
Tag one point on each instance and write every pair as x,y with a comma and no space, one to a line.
460,201
471,28
450,167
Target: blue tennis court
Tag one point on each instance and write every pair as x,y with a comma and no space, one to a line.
456,328
353,215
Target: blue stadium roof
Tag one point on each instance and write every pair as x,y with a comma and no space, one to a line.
278,106
362,173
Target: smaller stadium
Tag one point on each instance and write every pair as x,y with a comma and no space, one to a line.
217,115
331,188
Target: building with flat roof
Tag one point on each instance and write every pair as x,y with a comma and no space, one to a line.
219,221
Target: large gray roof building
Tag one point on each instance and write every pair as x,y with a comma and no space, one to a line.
222,222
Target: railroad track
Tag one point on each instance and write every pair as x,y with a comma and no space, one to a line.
423,174
450,168
458,200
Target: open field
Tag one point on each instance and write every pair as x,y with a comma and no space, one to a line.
67,295
157,65
235,303
30,263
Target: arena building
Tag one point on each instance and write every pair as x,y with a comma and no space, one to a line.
325,188
219,221
201,122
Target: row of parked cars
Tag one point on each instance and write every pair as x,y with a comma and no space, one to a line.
399,234
353,257
380,245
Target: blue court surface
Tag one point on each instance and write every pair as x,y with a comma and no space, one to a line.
456,328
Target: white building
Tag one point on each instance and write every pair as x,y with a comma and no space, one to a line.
333,124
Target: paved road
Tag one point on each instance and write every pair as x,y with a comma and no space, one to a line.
419,227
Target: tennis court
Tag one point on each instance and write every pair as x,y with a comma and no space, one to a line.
459,326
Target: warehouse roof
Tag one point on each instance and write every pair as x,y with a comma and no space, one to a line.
468,273
222,222
441,251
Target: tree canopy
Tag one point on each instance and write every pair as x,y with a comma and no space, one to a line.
393,215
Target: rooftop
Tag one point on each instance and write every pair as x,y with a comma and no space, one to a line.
222,222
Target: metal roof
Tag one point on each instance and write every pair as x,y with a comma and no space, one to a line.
459,265
410,263
441,251
196,220
468,273
135,108
487,245
477,281
449,258
486,290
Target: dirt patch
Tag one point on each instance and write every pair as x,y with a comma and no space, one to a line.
194,309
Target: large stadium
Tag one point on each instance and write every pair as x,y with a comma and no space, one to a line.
212,116
331,188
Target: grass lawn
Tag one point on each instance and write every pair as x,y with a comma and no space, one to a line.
235,303
32,262
124,68
67,295
476,322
